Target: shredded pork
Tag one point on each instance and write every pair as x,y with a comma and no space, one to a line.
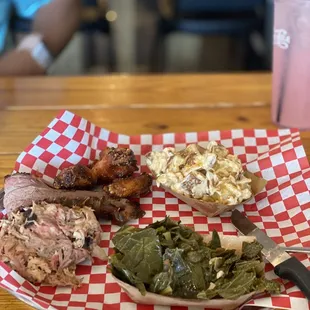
45,242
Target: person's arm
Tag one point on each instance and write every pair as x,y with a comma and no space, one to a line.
56,22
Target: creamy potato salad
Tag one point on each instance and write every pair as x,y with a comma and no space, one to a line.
210,174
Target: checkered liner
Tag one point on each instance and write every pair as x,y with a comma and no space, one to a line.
282,209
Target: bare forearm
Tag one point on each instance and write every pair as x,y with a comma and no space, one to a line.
17,62
57,22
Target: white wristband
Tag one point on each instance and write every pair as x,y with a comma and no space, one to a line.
41,55
37,49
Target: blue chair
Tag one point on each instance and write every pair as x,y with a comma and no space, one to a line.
234,18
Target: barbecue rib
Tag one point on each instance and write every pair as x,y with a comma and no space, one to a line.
113,163
75,177
22,189
133,186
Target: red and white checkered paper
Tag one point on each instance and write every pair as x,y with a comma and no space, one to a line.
282,209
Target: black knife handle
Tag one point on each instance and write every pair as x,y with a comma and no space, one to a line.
294,271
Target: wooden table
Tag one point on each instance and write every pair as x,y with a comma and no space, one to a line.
130,105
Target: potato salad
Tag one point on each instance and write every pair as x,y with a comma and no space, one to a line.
208,174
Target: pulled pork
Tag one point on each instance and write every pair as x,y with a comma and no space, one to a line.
45,242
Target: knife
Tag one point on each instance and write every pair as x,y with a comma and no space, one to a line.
296,249
286,266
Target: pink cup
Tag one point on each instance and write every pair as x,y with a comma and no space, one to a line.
291,64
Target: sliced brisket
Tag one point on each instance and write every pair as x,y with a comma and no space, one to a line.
22,189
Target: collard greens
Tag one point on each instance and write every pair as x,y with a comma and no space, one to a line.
171,259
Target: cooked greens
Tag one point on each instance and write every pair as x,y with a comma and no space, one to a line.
171,259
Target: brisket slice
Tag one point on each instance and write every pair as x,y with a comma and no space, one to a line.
21,189
45,242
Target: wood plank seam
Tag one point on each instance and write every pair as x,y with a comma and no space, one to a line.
218,105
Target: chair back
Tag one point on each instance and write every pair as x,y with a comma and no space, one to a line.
216,6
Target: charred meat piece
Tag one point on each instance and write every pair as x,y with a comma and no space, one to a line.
133,186
49,250
115,163
119,210
21,189
75,177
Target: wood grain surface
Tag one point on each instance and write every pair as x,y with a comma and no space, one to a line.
130,105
